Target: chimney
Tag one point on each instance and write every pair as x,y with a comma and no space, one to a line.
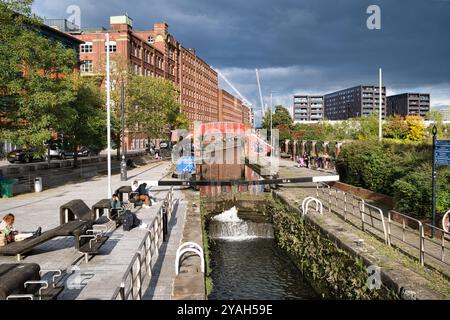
161,28
121,23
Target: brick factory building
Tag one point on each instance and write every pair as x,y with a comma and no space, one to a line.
232,109
153,53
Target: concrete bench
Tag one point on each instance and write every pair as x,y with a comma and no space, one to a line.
71,229
76,210
25,281
100,207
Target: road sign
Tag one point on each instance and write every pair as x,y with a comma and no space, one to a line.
442,155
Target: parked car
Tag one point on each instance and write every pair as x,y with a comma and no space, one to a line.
22,156
87,152
57,151
163,145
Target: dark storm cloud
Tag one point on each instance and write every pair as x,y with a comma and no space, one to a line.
307,46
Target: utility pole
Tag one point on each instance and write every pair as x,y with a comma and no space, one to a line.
108,108
380,134
123,164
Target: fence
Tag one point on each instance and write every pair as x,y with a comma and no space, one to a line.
396,229
141,265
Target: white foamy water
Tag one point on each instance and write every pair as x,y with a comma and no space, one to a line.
228,226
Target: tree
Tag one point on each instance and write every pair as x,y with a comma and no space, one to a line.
416,128
36,78
280,117
87,124
396,128
182,122
368,127
152,106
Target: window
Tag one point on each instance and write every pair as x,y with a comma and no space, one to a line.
87,66
151,40
86,47
112,46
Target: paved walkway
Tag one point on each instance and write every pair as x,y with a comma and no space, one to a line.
33,210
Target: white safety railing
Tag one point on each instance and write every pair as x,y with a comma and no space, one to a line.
141,264
189,247
396,229
308,201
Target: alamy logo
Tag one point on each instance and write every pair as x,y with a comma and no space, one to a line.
374,20
75,14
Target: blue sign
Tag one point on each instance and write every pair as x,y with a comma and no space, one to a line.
443,152
186,165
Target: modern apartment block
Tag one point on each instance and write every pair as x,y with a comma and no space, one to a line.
308,108
356,102
232,109
409,104
153,53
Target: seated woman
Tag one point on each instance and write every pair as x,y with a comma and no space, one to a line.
7,228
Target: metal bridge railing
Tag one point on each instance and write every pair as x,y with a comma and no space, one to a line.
140,266
396,229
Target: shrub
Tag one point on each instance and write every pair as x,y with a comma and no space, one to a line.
413,193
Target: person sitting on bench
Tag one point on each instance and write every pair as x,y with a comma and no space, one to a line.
139,193
7,228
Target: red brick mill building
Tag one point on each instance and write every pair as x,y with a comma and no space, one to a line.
156,53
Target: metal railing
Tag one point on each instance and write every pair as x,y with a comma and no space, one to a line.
141,264
396,229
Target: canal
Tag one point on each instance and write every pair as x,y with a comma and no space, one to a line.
245,260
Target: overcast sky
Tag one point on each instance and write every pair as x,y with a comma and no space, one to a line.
300,46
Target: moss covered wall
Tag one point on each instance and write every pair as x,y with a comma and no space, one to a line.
333,272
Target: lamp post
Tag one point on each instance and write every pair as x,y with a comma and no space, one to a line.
271,131
434,175
123,164
380,133
108,108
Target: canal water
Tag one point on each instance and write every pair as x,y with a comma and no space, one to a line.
245,259
247,263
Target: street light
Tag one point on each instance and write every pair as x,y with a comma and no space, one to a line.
108,108
380,133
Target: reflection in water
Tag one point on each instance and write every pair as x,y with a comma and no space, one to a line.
255,270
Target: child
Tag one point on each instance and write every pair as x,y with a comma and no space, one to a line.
7,228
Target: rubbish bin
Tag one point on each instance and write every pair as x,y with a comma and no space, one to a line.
7,190
38,185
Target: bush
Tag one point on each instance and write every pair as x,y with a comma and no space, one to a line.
399,170
367,165
413,193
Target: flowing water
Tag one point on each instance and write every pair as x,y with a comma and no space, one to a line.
248,265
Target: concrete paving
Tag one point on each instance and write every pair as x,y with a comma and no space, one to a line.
42,209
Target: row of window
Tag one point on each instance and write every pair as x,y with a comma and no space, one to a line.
89,48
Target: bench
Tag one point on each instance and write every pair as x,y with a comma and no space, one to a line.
76,210
26,281
90,242
70,229
127,190
100,207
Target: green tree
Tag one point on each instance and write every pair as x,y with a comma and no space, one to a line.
87,122
368,127
281,116
152,106
182,122
36,78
